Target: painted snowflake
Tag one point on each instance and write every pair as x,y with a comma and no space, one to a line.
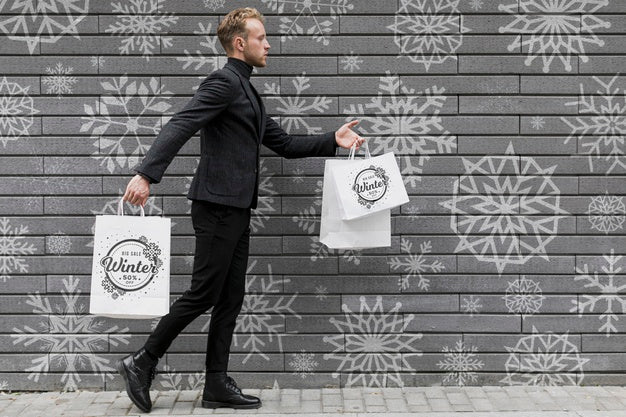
261,321
141,23
321,292
308,17
69,338
544,359
320,251
554,29
214,4
428,31
293,109
59,81
476,4
609,293
460,364
602,131
415,265
206,60
404,122
372,345
41,21
492,210
303,363
607,213
175,381
135,102
523,296
59,244
471,305
16,111
537,122
267,203
298,176
13,249
351,62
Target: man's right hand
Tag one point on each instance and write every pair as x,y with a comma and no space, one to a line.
137,191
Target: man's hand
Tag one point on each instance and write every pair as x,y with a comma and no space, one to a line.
137,191
345,137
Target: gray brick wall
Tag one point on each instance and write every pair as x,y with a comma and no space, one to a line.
506,266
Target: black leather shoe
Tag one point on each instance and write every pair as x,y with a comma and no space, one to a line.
221,390
138,371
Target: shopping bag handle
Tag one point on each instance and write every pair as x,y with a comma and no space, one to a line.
120,208
353,150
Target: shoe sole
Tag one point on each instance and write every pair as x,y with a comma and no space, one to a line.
214,404
122,371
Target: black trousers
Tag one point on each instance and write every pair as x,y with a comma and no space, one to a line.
218,281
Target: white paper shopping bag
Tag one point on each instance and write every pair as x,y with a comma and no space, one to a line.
369,185
130,275
368,232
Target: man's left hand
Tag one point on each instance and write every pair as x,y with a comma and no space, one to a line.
345,137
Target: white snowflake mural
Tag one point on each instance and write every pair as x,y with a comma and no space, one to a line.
59,81
293,109
544,359
59,244
13,249
550,29
206,60
351,62
607,213
428,31
41,21
404,122
414,265
214,5
471,305
176,381
303,363
476,4
537,122
523,296
267,204
460,364
102,120
261,321
609,300
69,338
308,17
601,128
141,24
373,345
16,111
321,292
493,210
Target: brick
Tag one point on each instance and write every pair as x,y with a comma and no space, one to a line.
464,323
503,64
515,105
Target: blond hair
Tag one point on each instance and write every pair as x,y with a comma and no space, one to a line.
234,24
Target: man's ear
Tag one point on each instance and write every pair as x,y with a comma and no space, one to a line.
239,43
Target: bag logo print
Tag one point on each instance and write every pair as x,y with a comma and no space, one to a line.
131,264
370,185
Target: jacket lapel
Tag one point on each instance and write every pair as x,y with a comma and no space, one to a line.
247,88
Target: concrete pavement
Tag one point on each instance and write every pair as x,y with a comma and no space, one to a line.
488,401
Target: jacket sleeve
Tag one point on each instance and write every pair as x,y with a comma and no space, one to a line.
212,97
297,146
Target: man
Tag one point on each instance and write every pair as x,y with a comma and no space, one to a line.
233,124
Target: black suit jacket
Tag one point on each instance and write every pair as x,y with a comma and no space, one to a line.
233,125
